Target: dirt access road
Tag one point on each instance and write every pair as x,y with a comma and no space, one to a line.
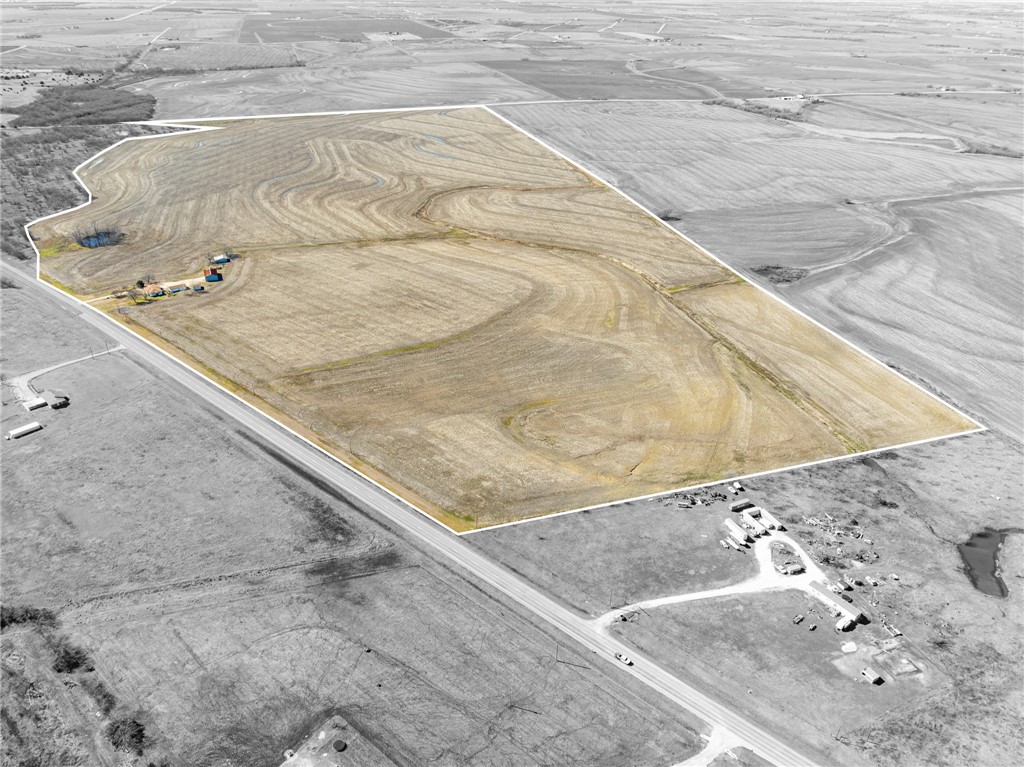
441,539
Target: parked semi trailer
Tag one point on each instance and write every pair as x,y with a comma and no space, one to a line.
22,431
738,532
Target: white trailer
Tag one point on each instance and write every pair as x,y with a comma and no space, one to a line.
34,404
845,623
21,431
758,528
741,535
740,505
770,521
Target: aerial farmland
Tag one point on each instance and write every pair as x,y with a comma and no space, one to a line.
481,325
516,384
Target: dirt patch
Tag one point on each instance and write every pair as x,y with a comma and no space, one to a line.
780,275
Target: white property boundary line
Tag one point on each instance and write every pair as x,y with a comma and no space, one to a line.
185,126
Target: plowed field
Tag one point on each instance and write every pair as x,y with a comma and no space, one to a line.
472,320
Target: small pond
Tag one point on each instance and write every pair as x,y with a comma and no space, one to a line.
981,560
99,239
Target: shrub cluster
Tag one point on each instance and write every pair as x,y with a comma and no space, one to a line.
88,104
979,147
68,658
12,615
759,109
36,175
100,693
127,734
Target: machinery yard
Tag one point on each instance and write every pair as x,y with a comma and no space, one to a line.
890,523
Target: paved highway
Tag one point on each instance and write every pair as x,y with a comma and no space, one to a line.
439,537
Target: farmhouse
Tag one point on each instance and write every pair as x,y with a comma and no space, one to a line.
55,399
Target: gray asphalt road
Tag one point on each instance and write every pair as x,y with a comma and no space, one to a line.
439,537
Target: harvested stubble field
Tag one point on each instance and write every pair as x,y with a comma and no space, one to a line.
474,321
909,251
214,56
381,79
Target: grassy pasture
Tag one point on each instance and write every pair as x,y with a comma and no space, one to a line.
427,672
748,648
484,326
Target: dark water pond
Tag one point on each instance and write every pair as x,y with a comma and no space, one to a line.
981,560
99,239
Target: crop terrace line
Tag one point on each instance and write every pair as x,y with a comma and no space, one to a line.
205,124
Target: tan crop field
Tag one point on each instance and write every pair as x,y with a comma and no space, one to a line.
473,321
